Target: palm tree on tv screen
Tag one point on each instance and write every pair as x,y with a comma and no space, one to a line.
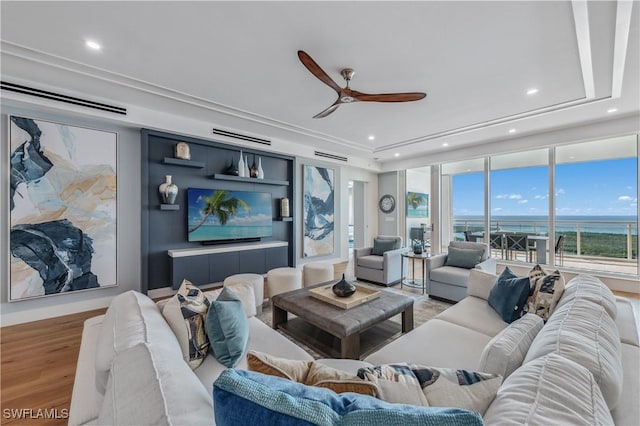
222,207
415,199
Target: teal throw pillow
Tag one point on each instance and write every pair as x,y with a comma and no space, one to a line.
380,246
250,398
464,258
227,328
509,294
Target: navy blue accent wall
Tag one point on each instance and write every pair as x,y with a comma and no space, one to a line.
164,230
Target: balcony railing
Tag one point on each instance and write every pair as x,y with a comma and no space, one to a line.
585,240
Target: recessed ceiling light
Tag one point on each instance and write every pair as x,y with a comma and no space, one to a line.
512,130
92,45
572,158
371,137
610,110
445,144
397,154
532,91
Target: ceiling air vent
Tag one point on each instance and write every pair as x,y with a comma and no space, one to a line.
61,98
332,156
239,136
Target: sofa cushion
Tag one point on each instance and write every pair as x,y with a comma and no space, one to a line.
227,328
546,290
480,283
474,314
506,351
628,410
450,275
463,258
244,291
590,288
371,262
626,322
262,338
131,318
549,390
509,295
454,346
149,386
185,313
380,246
246,397
442,387
583,331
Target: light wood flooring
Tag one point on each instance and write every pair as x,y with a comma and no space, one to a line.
38,361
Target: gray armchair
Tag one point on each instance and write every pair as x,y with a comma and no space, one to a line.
450,282
382,269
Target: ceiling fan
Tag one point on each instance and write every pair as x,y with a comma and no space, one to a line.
346,95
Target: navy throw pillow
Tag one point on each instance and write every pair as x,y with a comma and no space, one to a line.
380,246
250,398
509,294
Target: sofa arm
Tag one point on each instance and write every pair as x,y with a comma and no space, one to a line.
488,265
436,261
364,251
393,264
480,283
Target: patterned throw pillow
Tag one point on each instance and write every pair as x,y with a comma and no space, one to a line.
185,313
546,290
442,387
309,373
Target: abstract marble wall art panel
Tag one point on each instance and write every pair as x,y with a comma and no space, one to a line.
318,211
63,208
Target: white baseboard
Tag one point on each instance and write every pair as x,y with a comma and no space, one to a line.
13,318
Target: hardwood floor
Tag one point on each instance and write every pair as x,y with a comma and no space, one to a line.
38,363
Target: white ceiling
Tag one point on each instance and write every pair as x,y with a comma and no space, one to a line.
233,65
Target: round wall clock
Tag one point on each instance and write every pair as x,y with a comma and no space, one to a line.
387,203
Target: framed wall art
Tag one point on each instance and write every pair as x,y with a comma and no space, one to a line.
318,211
417,204
63,208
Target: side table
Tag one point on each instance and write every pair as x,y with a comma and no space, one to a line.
415,283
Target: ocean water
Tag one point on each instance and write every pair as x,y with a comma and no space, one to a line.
539,224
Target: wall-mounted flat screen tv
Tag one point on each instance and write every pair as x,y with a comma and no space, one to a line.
217,214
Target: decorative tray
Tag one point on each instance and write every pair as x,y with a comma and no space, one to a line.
362,295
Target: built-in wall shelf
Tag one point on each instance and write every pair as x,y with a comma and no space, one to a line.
285,219
173,207
220,176
181,162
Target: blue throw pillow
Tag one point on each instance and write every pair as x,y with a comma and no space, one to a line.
380,246
227,328
464,258
249,398
509,294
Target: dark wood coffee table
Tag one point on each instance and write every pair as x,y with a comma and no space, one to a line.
341,333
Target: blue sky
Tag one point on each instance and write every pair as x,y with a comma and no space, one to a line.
601,188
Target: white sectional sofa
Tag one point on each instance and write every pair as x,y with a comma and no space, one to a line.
594,375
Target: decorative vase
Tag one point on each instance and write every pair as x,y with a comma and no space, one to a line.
247,173
343,288
253,171
417,248
182,151
232,169
260,171
284,207
168,191
241,166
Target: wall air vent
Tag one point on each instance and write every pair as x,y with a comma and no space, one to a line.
61,98
332,156
239,136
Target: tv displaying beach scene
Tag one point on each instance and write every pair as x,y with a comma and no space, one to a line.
217,214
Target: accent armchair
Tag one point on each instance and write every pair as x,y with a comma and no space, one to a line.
381,263
448,273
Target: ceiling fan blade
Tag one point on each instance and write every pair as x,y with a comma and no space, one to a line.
315,69
328,111
389,97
